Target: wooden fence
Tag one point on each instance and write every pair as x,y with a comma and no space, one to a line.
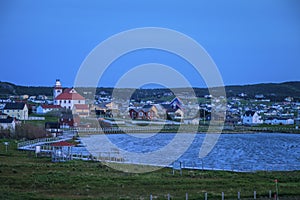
268,195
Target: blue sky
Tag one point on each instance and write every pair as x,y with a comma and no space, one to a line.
250,41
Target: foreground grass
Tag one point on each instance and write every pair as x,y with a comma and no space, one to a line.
23,176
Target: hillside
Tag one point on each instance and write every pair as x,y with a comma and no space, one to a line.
273,91
7,89
269,90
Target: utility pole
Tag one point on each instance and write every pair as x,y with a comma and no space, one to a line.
276,184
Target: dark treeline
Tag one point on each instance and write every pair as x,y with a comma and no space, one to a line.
273,91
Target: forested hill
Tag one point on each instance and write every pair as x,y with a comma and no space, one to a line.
275,91
269,90
12,89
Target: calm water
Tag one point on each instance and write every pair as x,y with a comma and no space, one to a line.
239,152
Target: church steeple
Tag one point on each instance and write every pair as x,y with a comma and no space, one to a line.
57,90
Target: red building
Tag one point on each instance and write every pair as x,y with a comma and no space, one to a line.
142,113
69,120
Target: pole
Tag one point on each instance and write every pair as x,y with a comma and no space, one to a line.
276,184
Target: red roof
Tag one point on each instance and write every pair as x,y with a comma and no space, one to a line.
69,96
81,106
61,144
51,106
67,90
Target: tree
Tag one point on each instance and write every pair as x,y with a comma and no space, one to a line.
29,131
4,133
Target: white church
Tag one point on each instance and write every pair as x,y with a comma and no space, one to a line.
66,98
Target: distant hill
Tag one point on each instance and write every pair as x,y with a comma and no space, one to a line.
7,89
273,91
269,90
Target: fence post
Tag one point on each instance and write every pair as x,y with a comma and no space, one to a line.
168,196
270,194
239,195
254,194
222,195
205,196
186,196
150,196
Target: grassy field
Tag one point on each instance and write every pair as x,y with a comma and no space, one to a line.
24,176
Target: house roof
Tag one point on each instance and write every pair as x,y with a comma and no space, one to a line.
14,106
62,144
81,106
148,106
249,113
171,110
2,114
67,90
69,96
166,106
177,101
278,118
140,109
8,120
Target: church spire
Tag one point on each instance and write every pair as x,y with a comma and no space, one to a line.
57,90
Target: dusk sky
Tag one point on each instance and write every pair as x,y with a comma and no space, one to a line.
254,41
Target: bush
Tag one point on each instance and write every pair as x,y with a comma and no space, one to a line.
29,131
26,131
5,133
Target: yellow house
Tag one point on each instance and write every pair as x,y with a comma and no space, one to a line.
16,110
81,109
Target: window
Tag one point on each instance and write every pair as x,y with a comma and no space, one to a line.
141,114
69,101
78,101
65,101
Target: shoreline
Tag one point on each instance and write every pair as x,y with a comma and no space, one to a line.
188,129
187,132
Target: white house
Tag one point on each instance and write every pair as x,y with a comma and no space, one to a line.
251,117
279,121
43,109
7,122
16,110
68,98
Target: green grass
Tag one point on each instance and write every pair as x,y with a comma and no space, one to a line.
41,123
23,176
